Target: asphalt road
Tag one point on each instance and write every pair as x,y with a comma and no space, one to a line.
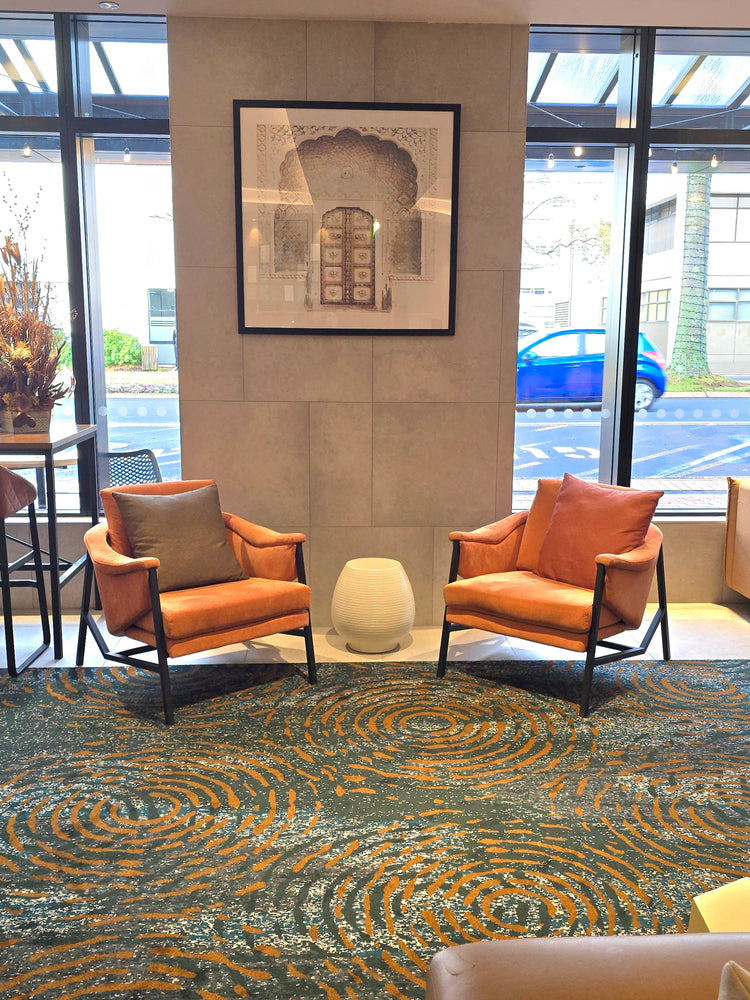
679,436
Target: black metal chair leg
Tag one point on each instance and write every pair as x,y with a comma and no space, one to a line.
661,587
312,670
39,572
10,646
88,576
161,648
443,654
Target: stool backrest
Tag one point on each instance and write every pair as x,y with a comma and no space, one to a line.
15,493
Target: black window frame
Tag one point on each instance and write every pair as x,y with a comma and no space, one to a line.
77,134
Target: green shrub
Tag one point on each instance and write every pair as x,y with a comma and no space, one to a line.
66,358
121,349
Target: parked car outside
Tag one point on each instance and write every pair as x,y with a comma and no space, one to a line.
567,366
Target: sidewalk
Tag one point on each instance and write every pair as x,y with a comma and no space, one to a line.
163,381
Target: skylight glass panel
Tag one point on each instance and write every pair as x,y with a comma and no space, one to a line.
43,54
537,62
579,78
140,67
668,71
715,82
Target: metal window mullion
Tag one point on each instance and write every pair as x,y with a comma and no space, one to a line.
89,382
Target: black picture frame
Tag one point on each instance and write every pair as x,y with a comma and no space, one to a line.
346,217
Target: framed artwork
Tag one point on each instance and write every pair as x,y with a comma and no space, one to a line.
346,217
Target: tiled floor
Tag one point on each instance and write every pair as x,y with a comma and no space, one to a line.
698,631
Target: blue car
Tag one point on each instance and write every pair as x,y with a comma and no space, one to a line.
566,366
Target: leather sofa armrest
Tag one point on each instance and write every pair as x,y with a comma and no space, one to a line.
263,552
628,578
122,581
490,549
257,535
619,967
492,534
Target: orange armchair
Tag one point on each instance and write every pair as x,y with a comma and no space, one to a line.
511,578
273,598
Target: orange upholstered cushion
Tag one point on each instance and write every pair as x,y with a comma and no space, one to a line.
537,523
589,519
185,532
118,536
526,598
224,606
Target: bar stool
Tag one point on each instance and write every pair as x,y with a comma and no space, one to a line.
15,494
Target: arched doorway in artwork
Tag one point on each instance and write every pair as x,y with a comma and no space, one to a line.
347,248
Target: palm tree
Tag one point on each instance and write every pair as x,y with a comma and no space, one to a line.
690,353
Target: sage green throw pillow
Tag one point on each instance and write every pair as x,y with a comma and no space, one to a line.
185,532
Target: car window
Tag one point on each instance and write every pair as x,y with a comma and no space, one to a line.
556,347
595,342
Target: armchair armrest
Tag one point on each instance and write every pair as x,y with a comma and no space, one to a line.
257,535
490,549
628,578
262,552
122,581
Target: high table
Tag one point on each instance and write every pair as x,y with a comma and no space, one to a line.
61,435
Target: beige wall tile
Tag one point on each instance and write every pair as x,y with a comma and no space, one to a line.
466,64
434,463
519,55
332,546
213,61
506,428
340,61
312,367
462,368
209,348
490,200
509,355
341,463
203,196
258,453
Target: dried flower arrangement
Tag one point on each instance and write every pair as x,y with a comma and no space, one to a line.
30,346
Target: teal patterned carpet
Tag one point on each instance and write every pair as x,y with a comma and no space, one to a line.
285,841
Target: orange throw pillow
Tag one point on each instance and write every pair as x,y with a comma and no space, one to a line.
589,519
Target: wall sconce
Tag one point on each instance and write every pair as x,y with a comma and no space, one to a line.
27,150
674,168
577,150
551,161
126,156
714,160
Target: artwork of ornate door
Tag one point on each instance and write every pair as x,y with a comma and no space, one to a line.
347,267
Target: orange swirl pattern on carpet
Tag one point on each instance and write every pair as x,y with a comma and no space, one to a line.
283,841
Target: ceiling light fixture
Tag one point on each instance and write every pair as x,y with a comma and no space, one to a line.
109,5
674,168
27,150
126,155
551,161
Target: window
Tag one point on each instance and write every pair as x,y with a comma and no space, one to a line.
659,234
118,196
651,217
655,306
730,218
729,304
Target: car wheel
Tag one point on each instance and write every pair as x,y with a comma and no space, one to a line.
645,393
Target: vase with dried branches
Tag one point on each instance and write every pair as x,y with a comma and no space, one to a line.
31,377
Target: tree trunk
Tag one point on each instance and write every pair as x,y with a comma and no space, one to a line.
690,352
